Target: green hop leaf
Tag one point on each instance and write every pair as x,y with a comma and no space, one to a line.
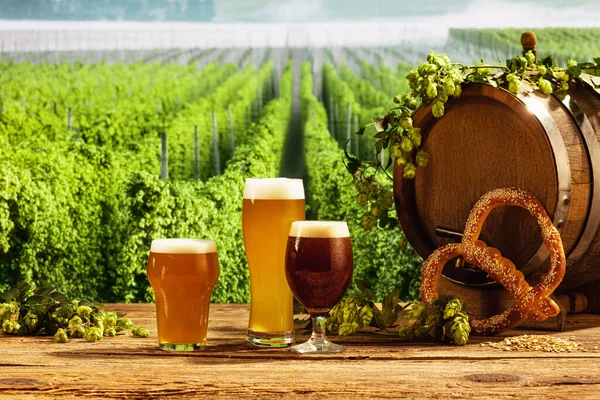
422,158
410,171
438,109
545,86
61,336
348,328
140,331
93,334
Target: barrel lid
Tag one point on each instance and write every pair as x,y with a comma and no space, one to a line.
486,140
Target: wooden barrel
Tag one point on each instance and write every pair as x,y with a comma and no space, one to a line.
488,139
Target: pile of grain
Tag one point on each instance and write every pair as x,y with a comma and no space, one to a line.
546,343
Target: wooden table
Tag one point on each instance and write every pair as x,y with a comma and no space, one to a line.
373,366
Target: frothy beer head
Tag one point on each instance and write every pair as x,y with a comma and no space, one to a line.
183,246
273,189
319,229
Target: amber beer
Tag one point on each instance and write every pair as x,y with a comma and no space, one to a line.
183,273
270,206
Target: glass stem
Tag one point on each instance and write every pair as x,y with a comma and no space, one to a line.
319,328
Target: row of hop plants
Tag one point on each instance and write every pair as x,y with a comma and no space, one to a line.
211,209
66,215
236,101
110,105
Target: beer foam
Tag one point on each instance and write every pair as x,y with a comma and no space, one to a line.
183,246
273,189
319,229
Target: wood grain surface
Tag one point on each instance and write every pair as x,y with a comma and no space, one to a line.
373,366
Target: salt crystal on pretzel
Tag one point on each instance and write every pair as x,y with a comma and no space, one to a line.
530,302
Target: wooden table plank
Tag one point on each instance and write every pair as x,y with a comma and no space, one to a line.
373,366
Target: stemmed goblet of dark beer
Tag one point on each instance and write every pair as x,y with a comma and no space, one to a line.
318,268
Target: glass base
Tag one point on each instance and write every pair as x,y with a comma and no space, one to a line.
313,346
268,339
183,347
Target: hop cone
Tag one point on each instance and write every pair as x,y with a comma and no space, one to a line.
457,329
453,307
349,310
348,328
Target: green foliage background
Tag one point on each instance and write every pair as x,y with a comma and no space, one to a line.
381,257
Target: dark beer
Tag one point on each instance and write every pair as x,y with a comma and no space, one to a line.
319,263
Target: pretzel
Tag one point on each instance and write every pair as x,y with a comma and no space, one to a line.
530,302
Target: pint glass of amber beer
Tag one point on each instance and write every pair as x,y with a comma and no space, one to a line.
270,206
183,273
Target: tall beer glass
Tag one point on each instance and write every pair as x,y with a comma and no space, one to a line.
182,273
319,268
270,206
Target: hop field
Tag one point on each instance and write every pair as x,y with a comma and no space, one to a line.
102,152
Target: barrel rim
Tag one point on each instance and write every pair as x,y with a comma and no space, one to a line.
563,173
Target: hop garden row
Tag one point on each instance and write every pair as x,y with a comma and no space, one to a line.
82,198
